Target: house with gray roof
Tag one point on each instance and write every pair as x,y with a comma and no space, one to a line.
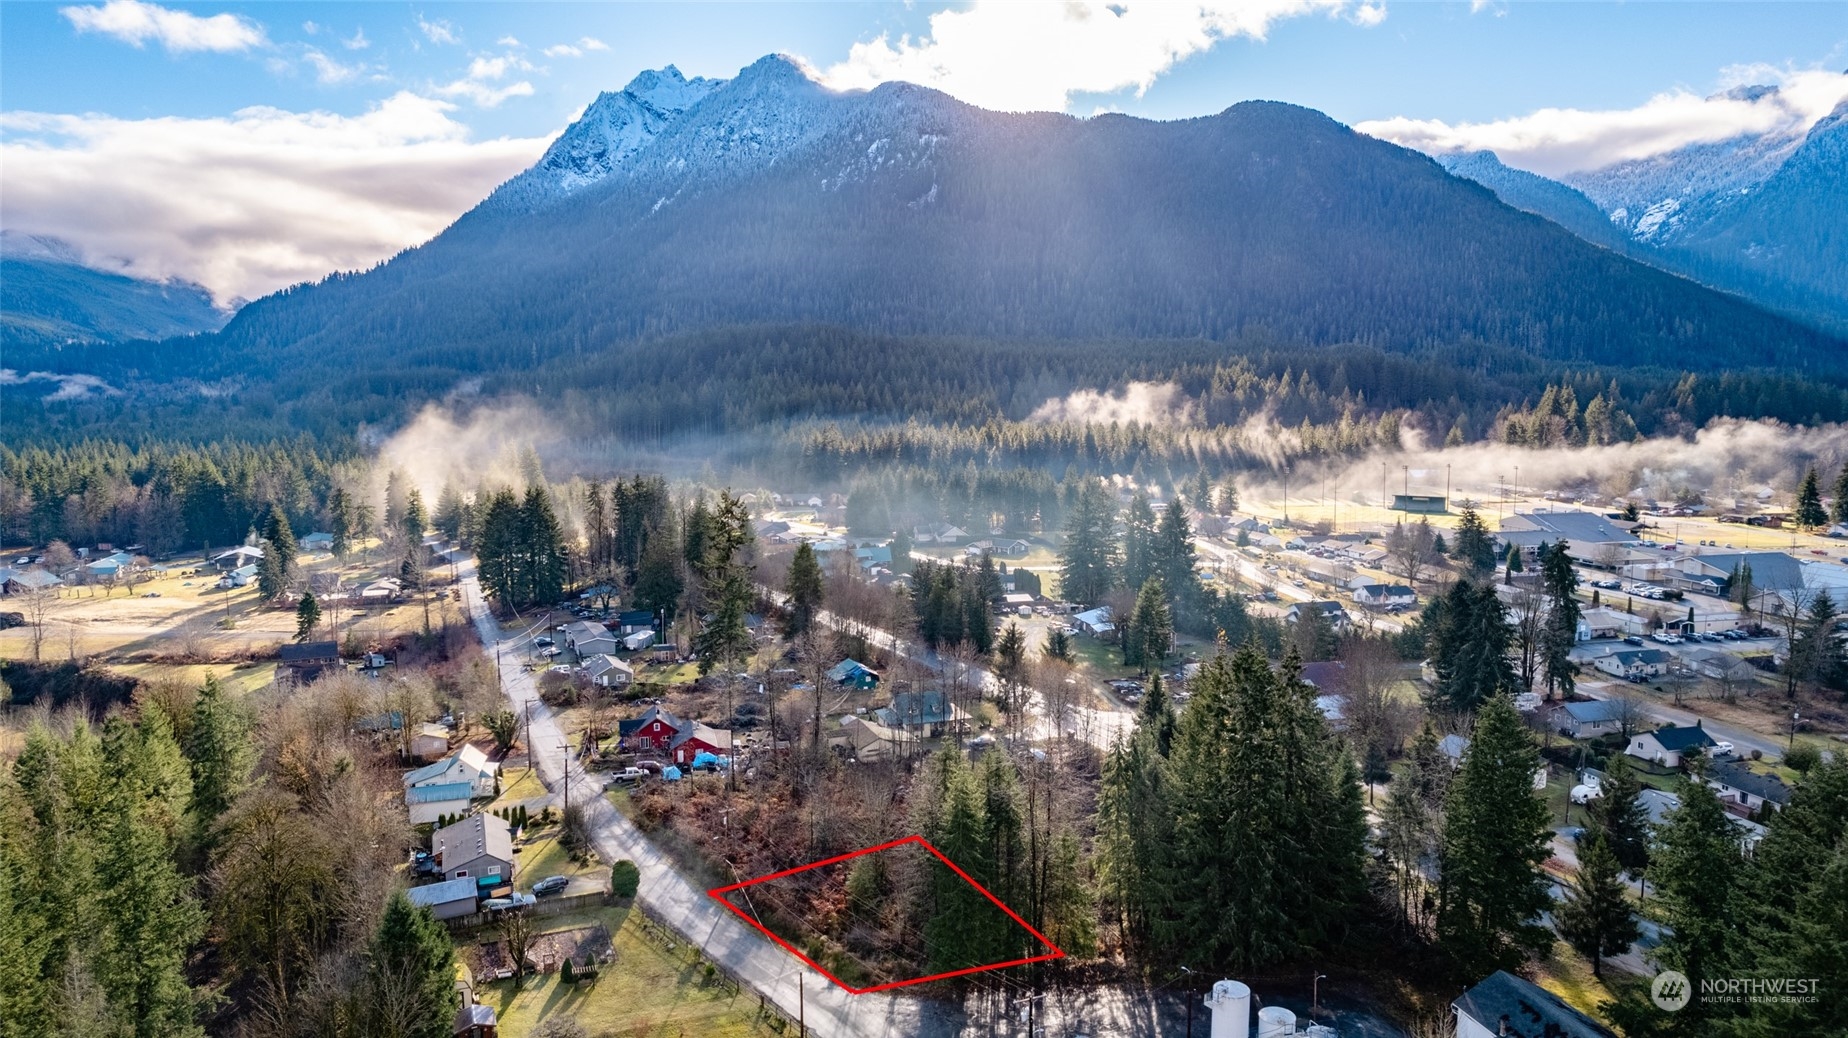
446,900
1751,791
1569,524
1584,719
26,581
1771,570
1505,1006
608,671
479,847
588,639
921,713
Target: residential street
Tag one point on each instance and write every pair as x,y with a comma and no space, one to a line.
1095,1012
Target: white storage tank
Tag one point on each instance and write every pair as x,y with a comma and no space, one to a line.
1276,1022
1230,1002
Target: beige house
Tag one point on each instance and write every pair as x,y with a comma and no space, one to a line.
868,740
429,741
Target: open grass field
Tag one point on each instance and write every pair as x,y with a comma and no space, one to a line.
179,624
649,992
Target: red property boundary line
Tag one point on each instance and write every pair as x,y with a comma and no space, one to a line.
718,894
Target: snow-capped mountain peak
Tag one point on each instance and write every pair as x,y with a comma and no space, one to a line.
611,132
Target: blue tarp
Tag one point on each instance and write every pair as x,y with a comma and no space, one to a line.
671,773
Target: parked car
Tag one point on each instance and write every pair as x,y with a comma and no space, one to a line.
542,640
550,885
513,900
1722,748
1633,640
629,775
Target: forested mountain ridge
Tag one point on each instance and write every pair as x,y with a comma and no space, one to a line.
49,297
902,211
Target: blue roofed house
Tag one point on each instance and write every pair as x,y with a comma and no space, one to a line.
428,803
921,714
1584,719
633,621
853,674
871,556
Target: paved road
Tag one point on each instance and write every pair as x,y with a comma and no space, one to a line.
771,971
1115,1011
1098,727
1744,740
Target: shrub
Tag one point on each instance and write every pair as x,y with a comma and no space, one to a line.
568,974
625,878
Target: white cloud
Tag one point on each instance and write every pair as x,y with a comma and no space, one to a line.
508,41
133,21
575,50
1554,141
484,72
310,28
253,202
1033,56
357,41
438,31
1368,15
329,72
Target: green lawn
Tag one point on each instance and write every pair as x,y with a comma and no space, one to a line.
542,855
649,992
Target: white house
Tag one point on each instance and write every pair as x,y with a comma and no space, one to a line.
1382,596
608,672
317,541
467,765
1095,622
1668,744
1635,664
1453,747
237,558
243,576
430,741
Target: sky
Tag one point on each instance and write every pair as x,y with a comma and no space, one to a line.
249,146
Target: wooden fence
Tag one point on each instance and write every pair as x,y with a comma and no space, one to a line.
545,908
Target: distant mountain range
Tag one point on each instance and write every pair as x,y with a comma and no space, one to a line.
49,298
678,205
695,255
1764,215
